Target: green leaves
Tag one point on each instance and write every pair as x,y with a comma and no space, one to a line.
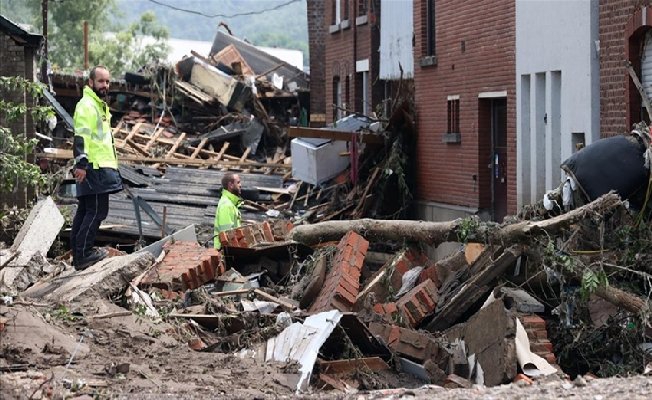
15,147
591,280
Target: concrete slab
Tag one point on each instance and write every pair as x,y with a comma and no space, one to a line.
523,301
490,335
35,236
107,276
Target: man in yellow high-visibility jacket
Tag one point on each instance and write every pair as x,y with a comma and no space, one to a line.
227,214
95,170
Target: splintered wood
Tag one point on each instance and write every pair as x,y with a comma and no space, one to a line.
148,144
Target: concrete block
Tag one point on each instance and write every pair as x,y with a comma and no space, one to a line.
35,236
102,279
490,334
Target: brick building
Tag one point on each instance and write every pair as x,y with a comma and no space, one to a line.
625,34
18,49
464,75
349,57
316,36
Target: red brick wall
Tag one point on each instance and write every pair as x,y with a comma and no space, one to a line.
445,171
343,48
317,30
621,28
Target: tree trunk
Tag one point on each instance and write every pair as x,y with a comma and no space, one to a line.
398,230
622,299
435,233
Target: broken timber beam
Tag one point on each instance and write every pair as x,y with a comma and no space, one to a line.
639,87
474,288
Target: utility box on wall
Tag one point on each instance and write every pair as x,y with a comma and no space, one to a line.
315,161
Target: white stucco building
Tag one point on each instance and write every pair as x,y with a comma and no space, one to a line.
557,88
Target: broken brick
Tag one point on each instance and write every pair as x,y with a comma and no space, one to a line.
419,302
187,265
256,235
392,272
415,345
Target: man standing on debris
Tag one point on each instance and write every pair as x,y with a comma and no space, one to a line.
227,215
95,170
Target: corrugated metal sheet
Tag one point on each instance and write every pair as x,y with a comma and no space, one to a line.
301,342
396,29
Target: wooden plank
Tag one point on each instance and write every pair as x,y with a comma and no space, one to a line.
639,87
370,183
199,147
176,145
137,147
303,132
67,155
134,130
153,138
287,306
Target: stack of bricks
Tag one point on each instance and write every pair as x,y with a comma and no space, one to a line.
343,280
535,327
257,235
414,306
186,265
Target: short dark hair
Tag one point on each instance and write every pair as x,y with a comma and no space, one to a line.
93,72
227,178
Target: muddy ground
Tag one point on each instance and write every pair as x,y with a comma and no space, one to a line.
130,357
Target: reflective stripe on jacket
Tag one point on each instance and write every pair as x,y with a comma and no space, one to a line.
227,215
93,125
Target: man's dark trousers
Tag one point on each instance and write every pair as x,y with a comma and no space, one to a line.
91,211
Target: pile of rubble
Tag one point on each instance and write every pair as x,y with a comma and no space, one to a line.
327,306
179,130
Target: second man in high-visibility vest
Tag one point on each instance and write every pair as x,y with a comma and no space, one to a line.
227,215
95,170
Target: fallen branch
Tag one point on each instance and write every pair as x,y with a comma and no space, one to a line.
521,231
434,233
622,299
422,231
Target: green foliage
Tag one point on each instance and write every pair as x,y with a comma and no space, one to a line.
123,51
62,313
286,27
467,229
128,50
14,146
591,281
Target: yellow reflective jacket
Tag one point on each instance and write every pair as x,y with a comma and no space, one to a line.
93,126
227,215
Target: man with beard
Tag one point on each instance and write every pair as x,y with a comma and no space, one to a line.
95,170
227,215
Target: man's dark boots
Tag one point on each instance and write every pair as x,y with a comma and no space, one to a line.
95,255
